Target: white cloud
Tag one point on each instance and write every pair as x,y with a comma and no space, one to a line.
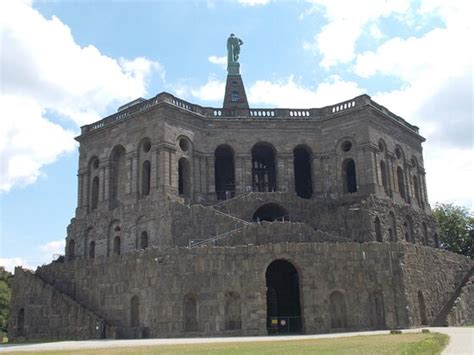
45,72
346,23
221,61
253,2
10,263
291,94
51,248
213,90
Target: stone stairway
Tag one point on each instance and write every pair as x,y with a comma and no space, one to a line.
441,319
55,315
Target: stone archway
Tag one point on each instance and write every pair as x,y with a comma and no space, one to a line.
283,298
270,212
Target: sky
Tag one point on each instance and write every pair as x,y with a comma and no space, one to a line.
65,64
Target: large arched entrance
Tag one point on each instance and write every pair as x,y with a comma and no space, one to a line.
283,298
224,172
263,168
270,212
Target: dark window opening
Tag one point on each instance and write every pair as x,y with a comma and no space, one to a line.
302,171
92,250
144,240
232,311
408,230
263,168
117,246
270,212
224,172
146,170
190,314
21,323
235,96
95,193
416,187
378,230
401,183
183,177
283,298
134,311
346,146
349,176
422,305
383,172
337,309
184,144
146,146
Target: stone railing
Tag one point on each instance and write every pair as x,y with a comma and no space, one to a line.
253,113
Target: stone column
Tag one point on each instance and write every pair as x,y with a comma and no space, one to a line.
211,175
283,175
239,174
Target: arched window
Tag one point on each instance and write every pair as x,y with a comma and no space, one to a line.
401,182
190,320
118,174
224,172
263,168
184,188
144,240
337,310
393,227
302,171
270,212
117,246
383,173
95,193
92,250
378,230
422,305
425,233
232,311
71,250
349,176
416,187
146,169
21,323
134,311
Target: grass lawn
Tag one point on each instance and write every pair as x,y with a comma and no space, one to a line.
414,343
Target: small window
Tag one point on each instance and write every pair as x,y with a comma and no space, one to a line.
146,146
381,147
95,164
235,96
346,146
183,144
398,153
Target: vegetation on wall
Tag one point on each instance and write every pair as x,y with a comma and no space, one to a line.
456,227
5,297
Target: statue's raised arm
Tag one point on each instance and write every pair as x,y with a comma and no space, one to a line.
233,49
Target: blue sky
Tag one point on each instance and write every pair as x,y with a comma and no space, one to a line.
68,63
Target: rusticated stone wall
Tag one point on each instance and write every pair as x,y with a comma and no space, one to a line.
162,279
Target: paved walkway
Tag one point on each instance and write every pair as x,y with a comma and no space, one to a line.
461,341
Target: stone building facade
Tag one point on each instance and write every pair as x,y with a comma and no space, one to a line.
199,221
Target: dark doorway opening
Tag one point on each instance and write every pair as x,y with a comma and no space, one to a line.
283,298
21,323
422,305
270,212
263,168
183,178
224,172
302,170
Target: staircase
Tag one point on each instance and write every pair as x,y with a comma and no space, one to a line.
441,319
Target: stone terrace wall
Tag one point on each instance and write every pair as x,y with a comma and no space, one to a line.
48,313
463,311
161,279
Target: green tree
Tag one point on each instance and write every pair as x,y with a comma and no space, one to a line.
5,297
456,226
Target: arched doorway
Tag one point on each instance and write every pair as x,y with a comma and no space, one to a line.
224,172
302,171
270,212
283,298
263,168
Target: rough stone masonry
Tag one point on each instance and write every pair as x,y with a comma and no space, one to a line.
199,221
